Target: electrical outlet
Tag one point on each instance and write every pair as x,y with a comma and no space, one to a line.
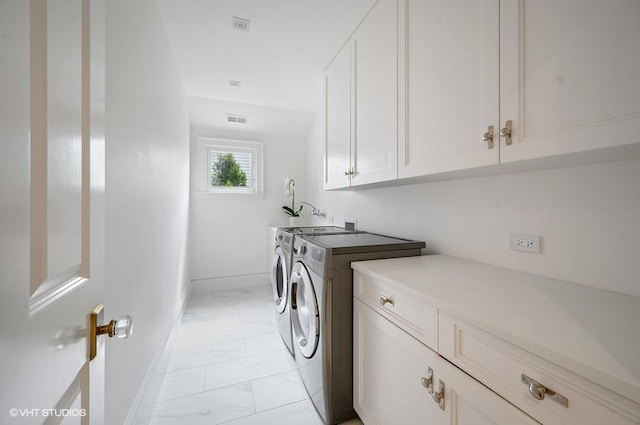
526,243
350,224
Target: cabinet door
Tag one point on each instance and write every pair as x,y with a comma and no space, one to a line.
375,136
468,402
569,75
388,368
451,84
338,121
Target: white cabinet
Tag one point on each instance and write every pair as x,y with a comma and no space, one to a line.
502,366
388,368
569,75
450,90
361,104
563,74
338,121
472,325
391,381
375,135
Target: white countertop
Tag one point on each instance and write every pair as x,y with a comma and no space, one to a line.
591,332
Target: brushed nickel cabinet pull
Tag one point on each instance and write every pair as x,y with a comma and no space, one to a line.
384,300
427,381
488,137
506,132
540,392
438,397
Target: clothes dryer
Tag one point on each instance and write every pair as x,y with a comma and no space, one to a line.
281,269
322,312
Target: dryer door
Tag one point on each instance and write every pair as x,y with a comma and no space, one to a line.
280,280
305,318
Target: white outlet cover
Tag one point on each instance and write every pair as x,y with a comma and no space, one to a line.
525,243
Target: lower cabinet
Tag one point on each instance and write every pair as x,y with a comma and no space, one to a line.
399,380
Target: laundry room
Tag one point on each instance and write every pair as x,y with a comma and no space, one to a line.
373,212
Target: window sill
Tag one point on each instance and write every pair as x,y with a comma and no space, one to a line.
213,195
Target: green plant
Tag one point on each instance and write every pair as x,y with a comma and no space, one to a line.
291,212
226,172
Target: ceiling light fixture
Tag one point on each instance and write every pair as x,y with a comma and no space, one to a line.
240,24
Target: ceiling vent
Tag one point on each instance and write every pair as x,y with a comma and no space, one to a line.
239,119
240,24
235,83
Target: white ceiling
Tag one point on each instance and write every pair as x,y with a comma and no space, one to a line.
279,61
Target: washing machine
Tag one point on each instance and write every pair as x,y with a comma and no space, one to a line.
281,270
322,312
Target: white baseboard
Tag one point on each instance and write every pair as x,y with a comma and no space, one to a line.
142,406
226,283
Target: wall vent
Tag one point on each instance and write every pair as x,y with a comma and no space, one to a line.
239,119
239,23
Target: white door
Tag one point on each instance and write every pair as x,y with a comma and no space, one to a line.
452,86
337,163
389,368
51,214
569,77
375,62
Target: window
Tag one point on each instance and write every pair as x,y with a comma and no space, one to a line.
229,166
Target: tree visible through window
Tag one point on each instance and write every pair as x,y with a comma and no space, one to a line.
226,171
229,166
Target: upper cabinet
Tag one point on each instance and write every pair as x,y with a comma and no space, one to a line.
444,86
338,121
361,103
450,90
569,76
488,82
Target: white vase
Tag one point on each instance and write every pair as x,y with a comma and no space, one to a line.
294,221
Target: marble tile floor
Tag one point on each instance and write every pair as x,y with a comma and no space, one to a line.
229,366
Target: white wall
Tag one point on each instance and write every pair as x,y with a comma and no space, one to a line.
147,194
588,216
229,232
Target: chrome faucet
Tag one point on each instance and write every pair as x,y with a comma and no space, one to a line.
314,210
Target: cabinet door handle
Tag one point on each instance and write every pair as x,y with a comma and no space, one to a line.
539,391
506,132
488,137
384,300
427,381
438,397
